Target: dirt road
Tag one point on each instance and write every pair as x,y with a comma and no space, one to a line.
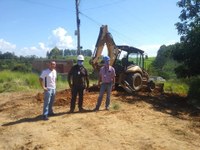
139,122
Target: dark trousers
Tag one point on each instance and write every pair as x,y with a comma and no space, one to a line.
76,90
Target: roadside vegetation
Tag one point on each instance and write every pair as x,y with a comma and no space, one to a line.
12,81
23,79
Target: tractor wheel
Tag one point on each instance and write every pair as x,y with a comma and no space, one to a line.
135,81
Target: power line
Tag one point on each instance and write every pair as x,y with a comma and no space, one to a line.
110,28
44,4
105,5
91,19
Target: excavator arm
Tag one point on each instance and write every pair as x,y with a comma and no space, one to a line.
104,38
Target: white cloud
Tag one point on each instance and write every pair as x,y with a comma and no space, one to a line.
42,45
60,39
39,50
6,46
43,48
151,50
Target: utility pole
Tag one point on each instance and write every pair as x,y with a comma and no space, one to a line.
78,28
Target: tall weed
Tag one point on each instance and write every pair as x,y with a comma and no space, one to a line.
17,81
178,86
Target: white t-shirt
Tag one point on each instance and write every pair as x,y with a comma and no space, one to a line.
49,78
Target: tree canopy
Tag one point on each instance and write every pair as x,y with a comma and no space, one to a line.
188,51
55,53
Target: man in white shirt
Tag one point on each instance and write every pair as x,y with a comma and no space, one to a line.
48,83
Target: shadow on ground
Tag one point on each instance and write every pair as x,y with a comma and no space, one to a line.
169,103
40,118
33,119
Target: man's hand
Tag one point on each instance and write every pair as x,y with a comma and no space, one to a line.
99,85
113,87
70,85
86,89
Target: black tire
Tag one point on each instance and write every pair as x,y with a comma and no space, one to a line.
135,81
151,86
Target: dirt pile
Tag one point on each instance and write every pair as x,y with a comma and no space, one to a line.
63,98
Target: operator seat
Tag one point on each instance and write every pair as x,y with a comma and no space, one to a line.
124,62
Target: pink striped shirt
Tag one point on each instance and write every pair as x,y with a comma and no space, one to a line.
107,74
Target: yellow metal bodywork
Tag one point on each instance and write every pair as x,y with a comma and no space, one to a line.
104,38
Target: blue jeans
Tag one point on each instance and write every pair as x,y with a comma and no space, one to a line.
49,97
104,87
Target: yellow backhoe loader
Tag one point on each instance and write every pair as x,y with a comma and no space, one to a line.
128,62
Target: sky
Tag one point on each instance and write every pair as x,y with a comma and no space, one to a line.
33,27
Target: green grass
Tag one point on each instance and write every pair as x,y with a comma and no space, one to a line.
62,83
178,86
16,81
148,62
115,106
87,65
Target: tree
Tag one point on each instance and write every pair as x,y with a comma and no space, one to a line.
86,52
55,53
164,64
188,52
7,55
48,54
160,58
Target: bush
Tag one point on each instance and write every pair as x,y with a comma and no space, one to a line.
22,68
194,91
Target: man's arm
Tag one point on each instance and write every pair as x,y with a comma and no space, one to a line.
99,80
113,79
69,79
42,84
87,82
87,79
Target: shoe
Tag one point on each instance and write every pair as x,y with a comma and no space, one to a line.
71,111
81,110
52,114
95,109
45,117
107,108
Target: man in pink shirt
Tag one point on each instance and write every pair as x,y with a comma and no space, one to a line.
106,81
